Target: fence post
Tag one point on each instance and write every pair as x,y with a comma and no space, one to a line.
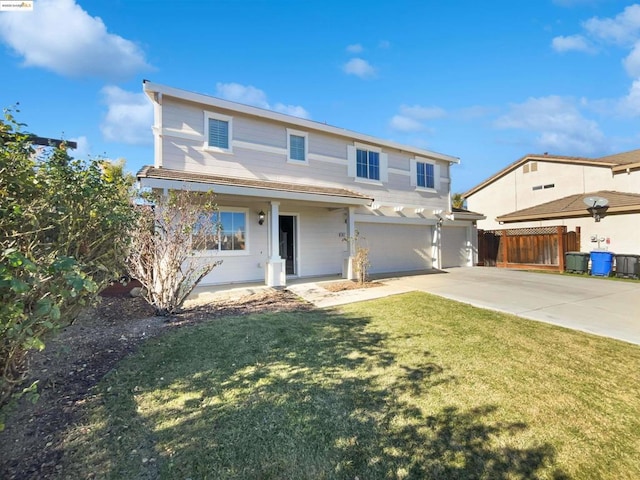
505,248
578,244
562,237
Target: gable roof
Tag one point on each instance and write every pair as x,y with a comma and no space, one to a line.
250,186
617,162
574,206
151,89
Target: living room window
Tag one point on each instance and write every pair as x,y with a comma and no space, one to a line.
218,130
229,233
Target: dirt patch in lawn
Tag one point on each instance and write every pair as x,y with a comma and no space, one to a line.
348,285
32,445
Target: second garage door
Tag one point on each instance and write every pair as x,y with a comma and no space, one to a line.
396,248
454,247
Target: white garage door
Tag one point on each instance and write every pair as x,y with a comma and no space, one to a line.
396,248
454,247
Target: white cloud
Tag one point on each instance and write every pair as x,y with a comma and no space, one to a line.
629,106
422,113
412,118
359,67
129,117
60,36
247,94
250,95
355,48
622,29
632,62
405,124
559,124
83,149
571,43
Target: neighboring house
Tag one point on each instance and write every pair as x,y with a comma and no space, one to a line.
549,190
292,192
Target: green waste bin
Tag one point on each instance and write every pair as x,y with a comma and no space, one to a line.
576,262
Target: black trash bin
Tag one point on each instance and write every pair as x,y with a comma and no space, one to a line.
627,266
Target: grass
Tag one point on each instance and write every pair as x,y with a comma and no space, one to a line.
409,387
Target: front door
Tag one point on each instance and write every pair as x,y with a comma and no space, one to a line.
287,227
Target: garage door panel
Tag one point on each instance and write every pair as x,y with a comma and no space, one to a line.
454,247
396,248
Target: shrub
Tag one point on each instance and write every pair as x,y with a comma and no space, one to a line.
63,234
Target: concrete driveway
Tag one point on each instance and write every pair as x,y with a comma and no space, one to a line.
595,305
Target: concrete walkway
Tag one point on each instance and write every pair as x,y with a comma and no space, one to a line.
595,305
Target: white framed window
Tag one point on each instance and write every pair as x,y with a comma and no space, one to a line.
297,147
229,234
367,163
218,131
425,174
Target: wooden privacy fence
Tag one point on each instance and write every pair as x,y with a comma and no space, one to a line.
541,248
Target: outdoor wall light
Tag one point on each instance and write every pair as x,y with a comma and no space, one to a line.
261,217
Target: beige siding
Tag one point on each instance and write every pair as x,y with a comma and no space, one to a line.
259,152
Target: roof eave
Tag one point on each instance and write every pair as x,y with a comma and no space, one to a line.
568,214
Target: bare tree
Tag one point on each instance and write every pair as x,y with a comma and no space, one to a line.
170,231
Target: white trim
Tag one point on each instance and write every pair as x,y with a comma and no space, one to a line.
383,164
364,218
224,118
259,147
327,159
150,87
182,134
398,171
413,168
298,133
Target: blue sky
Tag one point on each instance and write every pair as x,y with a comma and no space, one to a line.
484,81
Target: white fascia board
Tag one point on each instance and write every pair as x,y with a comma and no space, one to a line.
251,192
150,87
364,218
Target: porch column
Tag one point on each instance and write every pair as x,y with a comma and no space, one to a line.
436,244
348,263
274,274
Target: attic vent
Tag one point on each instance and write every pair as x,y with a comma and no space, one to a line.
525,169
534,166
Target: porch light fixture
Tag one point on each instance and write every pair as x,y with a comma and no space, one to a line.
261,217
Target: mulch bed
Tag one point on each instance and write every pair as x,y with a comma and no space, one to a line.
348,285
31,447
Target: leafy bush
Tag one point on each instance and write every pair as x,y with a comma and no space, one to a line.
170,229
63,235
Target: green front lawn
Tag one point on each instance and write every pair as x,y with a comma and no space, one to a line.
412,386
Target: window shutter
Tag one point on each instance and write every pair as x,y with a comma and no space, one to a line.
351,161
413,172
436,176
218,133
384,170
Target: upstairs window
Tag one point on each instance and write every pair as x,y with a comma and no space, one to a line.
298,149
368,164
218,130
425,175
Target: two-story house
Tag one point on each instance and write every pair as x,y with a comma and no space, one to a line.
294,194
551,190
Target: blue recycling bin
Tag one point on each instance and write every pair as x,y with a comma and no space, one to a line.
601,263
